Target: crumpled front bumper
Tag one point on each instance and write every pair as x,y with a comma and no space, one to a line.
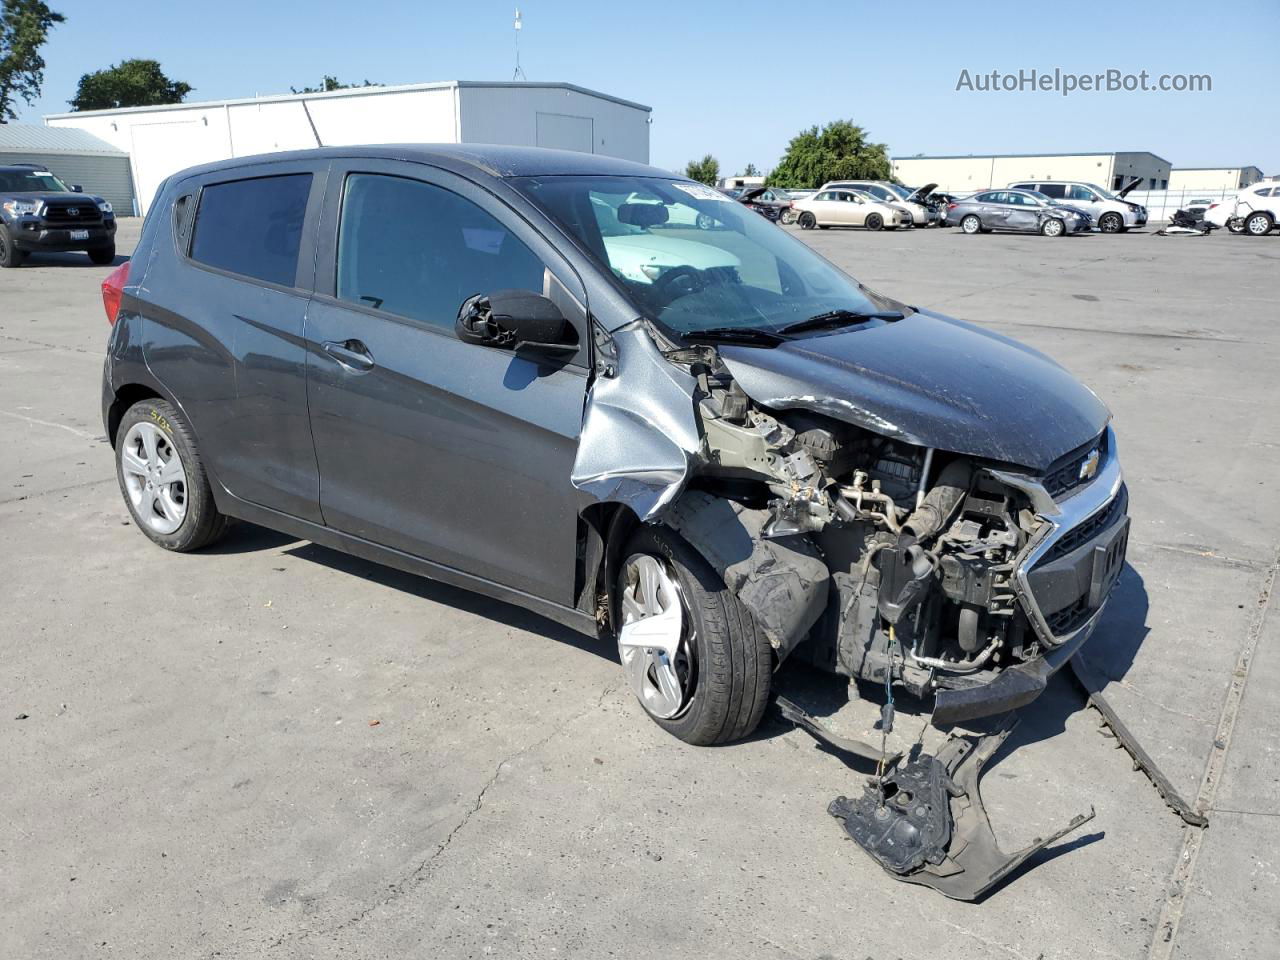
1063,580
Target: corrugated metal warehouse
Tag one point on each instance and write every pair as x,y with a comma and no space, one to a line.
73,156
1213,178
163,140
961,174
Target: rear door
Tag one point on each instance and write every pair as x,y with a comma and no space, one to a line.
453,452
995,209
224,332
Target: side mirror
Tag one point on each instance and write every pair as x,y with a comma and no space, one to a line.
515,320
76,188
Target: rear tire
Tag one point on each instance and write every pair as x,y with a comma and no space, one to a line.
103,256
728,663
971,224
807,221
875,221
177,515
10,256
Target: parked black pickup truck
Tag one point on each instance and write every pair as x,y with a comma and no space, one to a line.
40,212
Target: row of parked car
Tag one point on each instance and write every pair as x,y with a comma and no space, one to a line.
1052,208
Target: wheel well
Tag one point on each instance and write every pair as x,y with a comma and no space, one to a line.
126,397
603,531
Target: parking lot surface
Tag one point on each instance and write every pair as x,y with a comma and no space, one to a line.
273,750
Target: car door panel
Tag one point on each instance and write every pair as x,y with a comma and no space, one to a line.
237,353
445,450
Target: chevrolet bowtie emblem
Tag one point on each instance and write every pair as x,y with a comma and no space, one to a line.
1090,465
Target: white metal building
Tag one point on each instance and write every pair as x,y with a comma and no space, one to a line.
1213,178
74,156
965,174
163,140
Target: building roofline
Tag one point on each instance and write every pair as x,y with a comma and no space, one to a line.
61,151
1025,156
1245,166
338,94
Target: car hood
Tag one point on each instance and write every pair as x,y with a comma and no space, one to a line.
921,193
51,195
932,381
1125,192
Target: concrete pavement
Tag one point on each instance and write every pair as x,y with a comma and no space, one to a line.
274,750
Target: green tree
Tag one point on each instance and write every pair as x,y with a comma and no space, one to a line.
24,27
838,151
751,171
706,170
129,83
328,84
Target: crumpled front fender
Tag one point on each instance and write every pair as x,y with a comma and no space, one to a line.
640,432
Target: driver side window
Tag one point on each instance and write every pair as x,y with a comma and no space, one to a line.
1078,192
418,251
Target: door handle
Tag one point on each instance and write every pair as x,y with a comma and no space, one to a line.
352,354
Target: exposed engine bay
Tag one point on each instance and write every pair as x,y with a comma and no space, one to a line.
920,545
873,555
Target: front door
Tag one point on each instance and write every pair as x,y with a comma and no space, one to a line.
449,451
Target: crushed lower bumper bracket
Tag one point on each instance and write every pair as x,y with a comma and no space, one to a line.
924,821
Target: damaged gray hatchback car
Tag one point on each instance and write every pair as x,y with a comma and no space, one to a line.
617,398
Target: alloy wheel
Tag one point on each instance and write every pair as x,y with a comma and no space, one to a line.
654,642
154,478
1258,225
1052,228
970,224
1110,223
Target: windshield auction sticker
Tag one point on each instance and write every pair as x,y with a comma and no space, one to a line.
700,191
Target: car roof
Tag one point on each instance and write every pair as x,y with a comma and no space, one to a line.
492,160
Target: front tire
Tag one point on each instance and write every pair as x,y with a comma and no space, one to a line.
103,256
1053,227
971,224
691,652
10,256
705,221
1111,223
163,479
1258,224
875,221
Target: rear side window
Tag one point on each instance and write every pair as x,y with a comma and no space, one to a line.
253,227
418,251
1057,191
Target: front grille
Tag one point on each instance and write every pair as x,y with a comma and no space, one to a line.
62,215
1089,529
1064,475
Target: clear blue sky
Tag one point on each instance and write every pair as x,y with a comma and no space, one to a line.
740,79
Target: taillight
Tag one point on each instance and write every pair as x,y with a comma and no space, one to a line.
113,290
952,206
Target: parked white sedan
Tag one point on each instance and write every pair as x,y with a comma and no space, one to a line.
847,208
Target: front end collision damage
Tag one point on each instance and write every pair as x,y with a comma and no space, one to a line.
909,530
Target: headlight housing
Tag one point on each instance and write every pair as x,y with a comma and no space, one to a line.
20,208
104,206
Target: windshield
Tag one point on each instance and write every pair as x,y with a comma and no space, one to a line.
31,181
694,260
